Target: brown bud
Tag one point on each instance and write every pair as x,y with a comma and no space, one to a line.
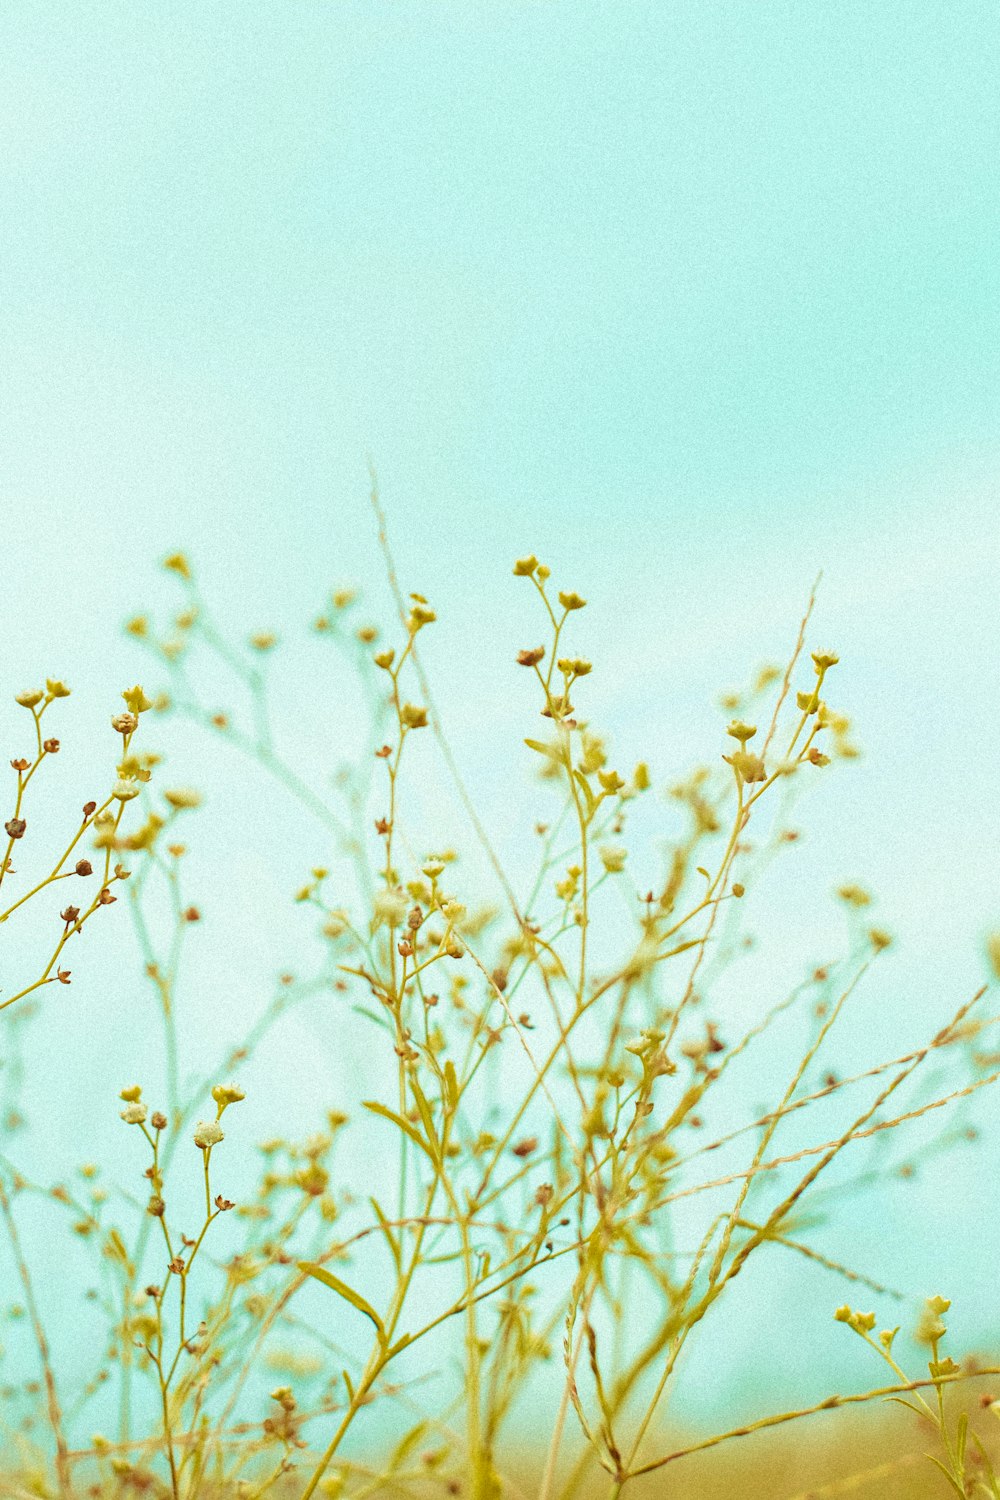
20,765
89,808
70,914
84,867
105,898
156,1206
15,827
525,1147
159,1120
51,747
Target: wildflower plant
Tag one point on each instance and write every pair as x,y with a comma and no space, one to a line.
538,1080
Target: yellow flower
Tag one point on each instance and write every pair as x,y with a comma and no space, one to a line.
136,700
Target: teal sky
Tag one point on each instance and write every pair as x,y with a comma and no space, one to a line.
692,299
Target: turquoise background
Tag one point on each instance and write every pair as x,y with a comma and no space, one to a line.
693,300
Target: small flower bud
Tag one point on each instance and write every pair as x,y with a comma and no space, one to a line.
412,716
131,1094
30,699
227,1093
421,614
125,723
741,731
15,827
55,689
134,1113
531,656
208,1133
51,747
183,797
83,867
136,701
525,566
159,1120
570,600
124,791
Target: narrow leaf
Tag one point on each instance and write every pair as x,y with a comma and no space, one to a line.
320,1273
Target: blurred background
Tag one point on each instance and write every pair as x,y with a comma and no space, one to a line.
694,301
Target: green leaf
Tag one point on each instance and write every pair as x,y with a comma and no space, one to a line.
551,752
961,1437
400,1124
320,1273
950,1477
584,786
390,1237
406,1445
451,1085
427,1117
